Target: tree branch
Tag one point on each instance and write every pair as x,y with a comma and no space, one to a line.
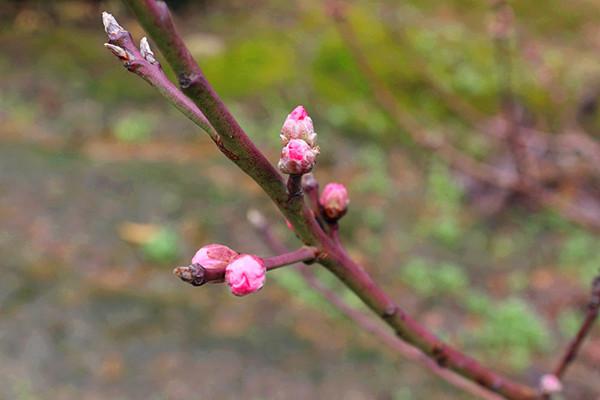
236,145
364,321
148,68
155,18
575,344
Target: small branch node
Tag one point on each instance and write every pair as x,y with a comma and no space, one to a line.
186,80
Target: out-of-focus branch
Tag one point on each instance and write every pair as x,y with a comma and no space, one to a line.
483,172
197,275
501,30
388,102
575,344
452,101
368,324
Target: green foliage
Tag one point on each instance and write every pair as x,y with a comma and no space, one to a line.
477,302
580,254
569,322
336,76
444,200
518,281
428,279
162,247
403,394
292,281
513,331
375,179
134,127
251,66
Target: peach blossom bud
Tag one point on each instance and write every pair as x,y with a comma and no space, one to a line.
213,256
550,384
245,274
297,157
334,201
298,125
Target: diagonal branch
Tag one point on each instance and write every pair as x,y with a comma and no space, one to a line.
520,183
590,317
388,102
142,63
235,144
365,322
156,19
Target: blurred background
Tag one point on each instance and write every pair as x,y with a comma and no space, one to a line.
104,188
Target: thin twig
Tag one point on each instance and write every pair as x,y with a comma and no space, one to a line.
590,317
481,171
501,31
148,68
388,102
155,17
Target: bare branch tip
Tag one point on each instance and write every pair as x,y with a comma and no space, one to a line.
146,52
183,273
111,26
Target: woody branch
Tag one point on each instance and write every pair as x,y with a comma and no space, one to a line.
245,273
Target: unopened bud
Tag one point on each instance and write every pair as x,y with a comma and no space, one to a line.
550,384
298,125
111,26
120,52
245,274
214,256
146,51
297,157
334,201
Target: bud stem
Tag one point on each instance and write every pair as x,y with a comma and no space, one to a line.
197,275
294,186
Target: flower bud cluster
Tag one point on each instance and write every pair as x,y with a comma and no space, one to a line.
298,136
244,273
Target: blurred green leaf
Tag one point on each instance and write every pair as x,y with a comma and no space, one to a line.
134,127
162,247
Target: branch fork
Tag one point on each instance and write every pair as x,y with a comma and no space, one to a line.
314,221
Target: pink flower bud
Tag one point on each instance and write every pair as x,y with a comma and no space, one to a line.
334,200
245,274
297,157
298,125
213,256
550,384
